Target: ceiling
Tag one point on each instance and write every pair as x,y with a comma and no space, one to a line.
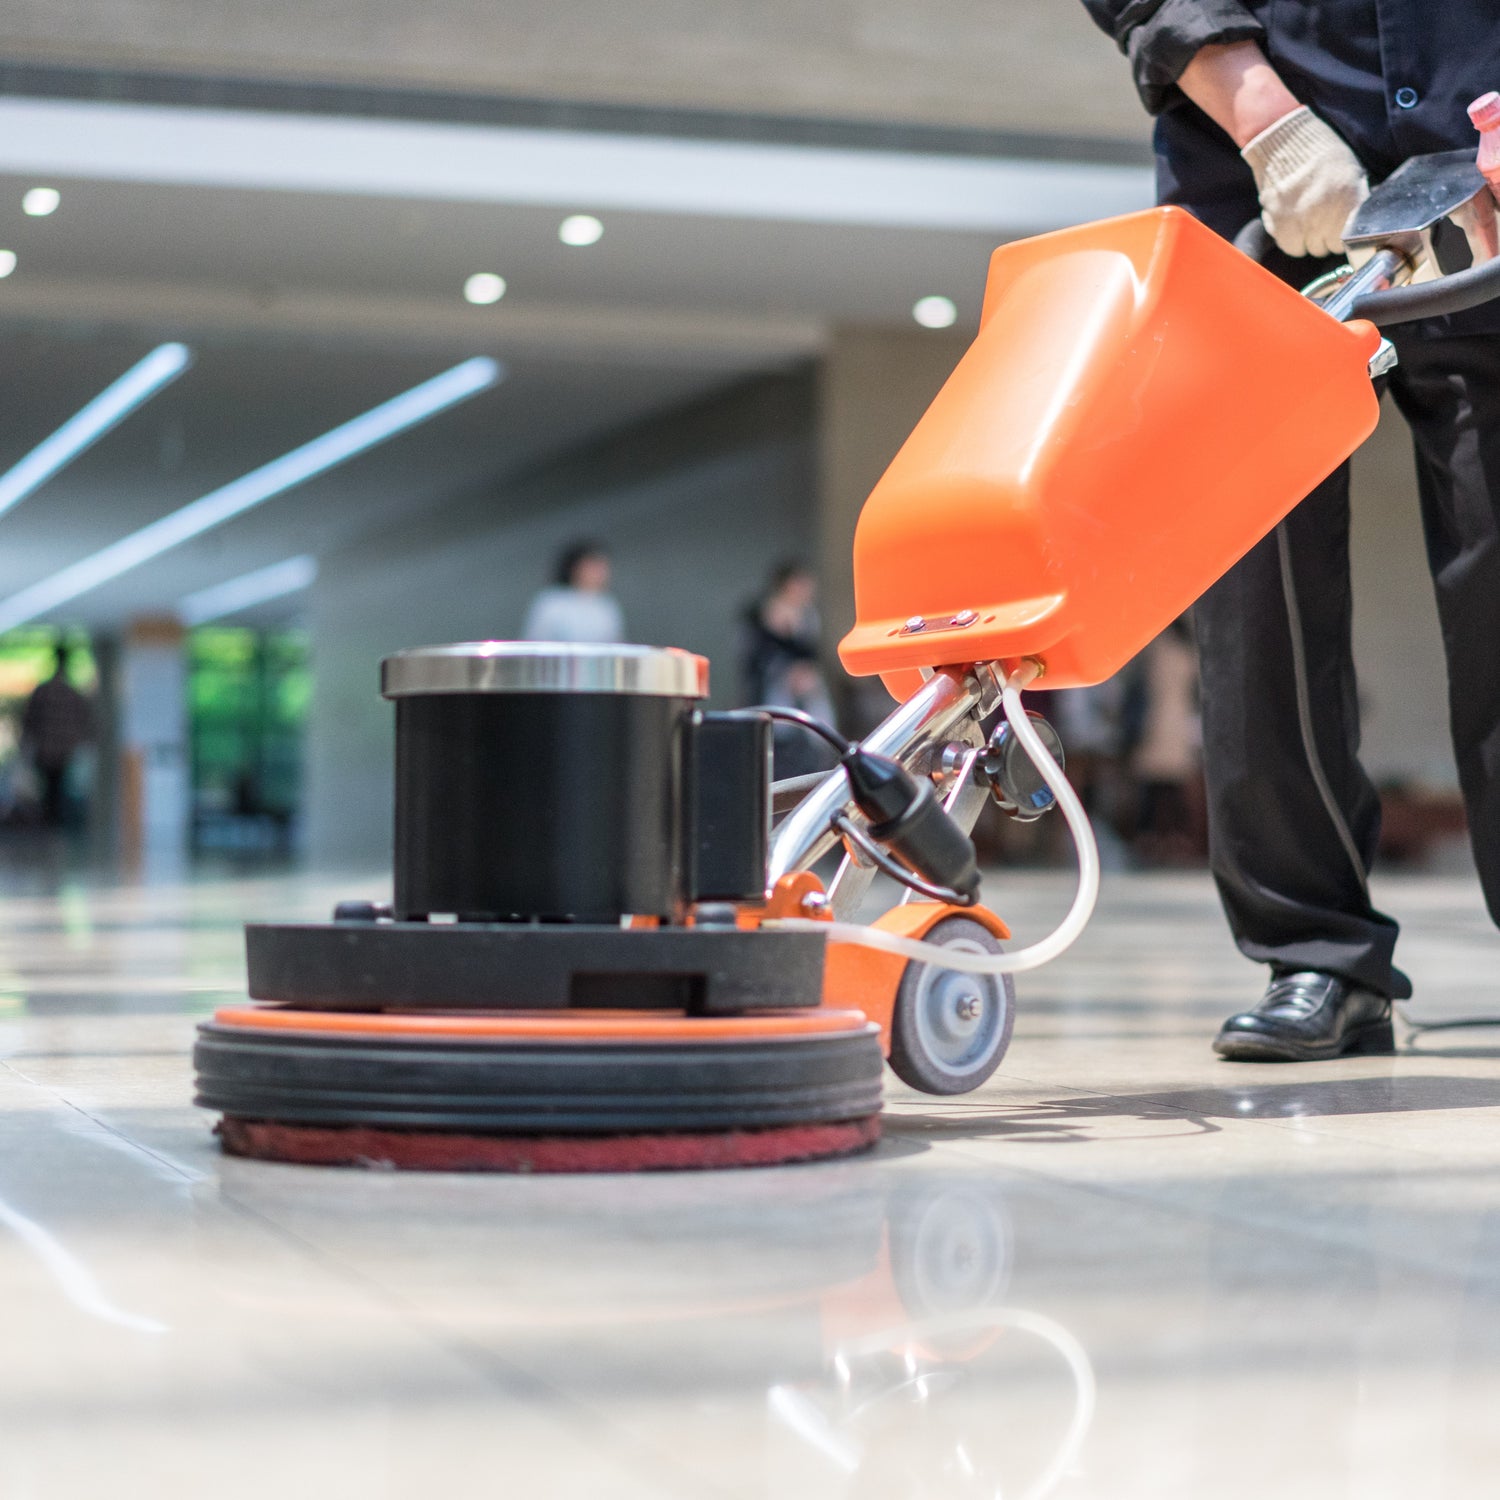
122,253
305,308
1036,66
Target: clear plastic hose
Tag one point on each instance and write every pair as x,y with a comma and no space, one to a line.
1055,942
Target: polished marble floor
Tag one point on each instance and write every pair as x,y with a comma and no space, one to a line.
1124,1269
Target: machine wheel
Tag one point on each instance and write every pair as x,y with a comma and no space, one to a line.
950,1251
950,1030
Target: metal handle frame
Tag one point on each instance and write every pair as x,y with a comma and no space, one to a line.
949,707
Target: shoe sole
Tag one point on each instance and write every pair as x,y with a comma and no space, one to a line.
1377,1039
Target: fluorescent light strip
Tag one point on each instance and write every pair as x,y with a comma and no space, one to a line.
226,148
220,505
248,590
82,430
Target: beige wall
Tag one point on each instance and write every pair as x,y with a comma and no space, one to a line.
696,509
1027,65
875,383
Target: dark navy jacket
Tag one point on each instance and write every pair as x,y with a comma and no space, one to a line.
1393,77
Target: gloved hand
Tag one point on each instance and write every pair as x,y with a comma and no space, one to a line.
1309,183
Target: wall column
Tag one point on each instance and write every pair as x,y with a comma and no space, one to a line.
875,384
155,791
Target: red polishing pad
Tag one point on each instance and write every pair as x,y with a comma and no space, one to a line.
434,1151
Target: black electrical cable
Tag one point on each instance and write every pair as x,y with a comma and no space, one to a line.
897,871
807,722
849,751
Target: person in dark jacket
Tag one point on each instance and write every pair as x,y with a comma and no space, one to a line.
56,723
780,644
1289,109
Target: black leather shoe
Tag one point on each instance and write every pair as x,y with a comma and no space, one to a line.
1307,1016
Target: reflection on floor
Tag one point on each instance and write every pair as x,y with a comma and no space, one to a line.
1124,1269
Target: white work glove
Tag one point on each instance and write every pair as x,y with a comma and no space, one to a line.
1309,182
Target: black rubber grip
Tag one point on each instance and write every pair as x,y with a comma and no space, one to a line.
1400,304
1432,299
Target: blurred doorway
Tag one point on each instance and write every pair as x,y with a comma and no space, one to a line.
248,697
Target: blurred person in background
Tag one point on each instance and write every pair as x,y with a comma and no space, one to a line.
57,722
1166,762
578,606
782,635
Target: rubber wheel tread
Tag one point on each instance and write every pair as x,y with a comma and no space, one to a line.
912,1060
410,1083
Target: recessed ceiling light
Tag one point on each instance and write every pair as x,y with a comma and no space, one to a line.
935,312
483,288
40,201
7,262
580,229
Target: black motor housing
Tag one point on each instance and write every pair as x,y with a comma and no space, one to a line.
541,781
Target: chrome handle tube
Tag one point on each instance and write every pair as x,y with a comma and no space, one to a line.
926,719
1384,270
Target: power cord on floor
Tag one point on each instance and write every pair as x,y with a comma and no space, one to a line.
1463,1023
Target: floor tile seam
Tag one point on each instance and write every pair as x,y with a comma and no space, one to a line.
496,1372
1288,1229
114,1131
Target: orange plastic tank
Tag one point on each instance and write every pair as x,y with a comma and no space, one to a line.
1143,403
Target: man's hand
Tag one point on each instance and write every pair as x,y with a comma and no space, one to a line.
1309,183
1309,180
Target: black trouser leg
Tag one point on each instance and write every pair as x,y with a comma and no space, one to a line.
1449,391
1284,875
54,786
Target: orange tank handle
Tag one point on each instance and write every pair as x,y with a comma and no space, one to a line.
1143,404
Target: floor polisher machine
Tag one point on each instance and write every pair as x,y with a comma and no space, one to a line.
610,945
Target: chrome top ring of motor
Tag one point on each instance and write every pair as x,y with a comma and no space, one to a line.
544,667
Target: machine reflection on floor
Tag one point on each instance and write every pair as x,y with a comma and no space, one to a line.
1074,1283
